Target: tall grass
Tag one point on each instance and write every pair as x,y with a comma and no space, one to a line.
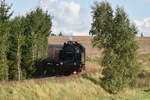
85,87
143,79
77,88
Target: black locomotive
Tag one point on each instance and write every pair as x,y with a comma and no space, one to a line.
66,59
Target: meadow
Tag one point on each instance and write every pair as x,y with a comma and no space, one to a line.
85,86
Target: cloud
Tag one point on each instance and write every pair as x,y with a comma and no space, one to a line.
68,13
143,25
68,31
66,16
44,4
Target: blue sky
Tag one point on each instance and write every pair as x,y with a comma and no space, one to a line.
74,16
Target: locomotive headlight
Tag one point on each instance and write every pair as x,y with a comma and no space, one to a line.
74,63
61,63
57,64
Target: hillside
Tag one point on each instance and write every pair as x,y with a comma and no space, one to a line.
84,86
144,44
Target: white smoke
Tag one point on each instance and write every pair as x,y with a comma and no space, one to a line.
68,36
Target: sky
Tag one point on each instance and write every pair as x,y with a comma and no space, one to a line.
74,16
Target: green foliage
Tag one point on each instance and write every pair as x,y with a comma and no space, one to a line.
102,24
17,40
5,15
53,34
60,34
37,28
116,36
23,42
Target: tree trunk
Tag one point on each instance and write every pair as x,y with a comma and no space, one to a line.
19,58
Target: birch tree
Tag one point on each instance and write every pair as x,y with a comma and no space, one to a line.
5,15
115,35
15,53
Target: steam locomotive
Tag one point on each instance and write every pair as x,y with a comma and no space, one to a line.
67,58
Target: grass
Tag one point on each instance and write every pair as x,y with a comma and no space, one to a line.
144,60
84,87
144,75
77,88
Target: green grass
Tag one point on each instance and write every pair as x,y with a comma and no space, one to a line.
144,75
77,88
84,87
144,60
93,61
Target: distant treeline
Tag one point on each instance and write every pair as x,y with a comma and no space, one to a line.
23,42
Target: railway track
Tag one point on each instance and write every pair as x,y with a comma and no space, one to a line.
90,69
61,78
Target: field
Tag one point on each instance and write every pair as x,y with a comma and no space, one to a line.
144,44
72,88
84,86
